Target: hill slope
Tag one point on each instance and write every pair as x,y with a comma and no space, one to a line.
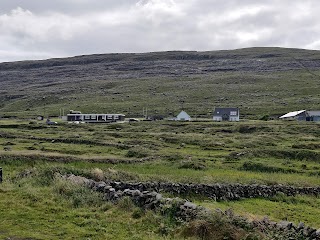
258,80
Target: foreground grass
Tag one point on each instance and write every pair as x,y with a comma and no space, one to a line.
36,212
295,209
56,210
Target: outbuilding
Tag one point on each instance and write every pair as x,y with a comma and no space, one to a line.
183,116
300,115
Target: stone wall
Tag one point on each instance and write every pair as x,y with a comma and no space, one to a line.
185,210
219,191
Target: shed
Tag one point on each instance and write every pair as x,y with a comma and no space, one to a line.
300,115
226,114
183,116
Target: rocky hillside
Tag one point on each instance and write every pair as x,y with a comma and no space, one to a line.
258,80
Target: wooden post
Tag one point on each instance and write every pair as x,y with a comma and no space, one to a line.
0,174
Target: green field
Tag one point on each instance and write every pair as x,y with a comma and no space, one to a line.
250,152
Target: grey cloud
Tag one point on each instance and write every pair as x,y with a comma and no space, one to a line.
41,28
64,6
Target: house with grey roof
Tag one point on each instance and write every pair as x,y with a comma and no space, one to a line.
313,116
226,114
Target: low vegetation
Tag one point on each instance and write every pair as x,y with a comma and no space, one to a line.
251,152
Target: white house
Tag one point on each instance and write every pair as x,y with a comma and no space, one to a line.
226,114
76,116
183,116
296,115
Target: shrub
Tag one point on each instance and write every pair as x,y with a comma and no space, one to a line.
31,148
78,195
264,117
247,129
126,204
137,213
200,229
174,157
259,167
118,175
192,165
137,152
97,174
6,148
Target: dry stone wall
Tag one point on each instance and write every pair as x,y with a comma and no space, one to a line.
185,210
219,191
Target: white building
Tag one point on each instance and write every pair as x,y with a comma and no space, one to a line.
183,116
75,116
296,115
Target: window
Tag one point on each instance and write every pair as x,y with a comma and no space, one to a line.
233,113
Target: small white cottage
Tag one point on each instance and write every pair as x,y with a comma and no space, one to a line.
183,116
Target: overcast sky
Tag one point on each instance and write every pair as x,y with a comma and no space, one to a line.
38,29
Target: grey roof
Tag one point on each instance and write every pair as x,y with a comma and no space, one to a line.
313,113
222,111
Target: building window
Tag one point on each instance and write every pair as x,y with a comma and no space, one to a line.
233,113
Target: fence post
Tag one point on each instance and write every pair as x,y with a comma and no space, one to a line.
0,174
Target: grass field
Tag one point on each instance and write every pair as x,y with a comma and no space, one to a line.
264,152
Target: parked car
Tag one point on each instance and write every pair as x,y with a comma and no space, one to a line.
49,122
134,120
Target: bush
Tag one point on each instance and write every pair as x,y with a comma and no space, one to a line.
97,174
174,157
200,229
259,167
264,117
78,195
204,229
247,129
137,153
118,175
192,165
126,204
137,213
